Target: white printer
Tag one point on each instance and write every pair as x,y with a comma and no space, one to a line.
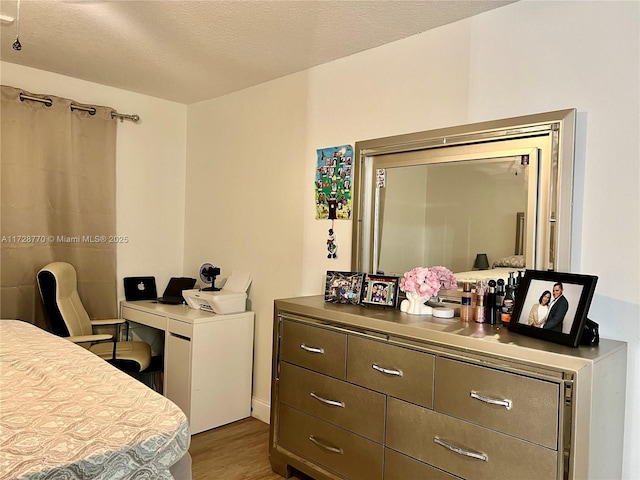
232,298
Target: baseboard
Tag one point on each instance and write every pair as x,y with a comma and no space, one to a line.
260,409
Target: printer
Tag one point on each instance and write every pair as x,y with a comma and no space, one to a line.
232,298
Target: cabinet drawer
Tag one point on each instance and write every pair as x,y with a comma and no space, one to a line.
414,431
400,467
183,329
349,406
397,371
144,318
464,390
345,453
314,348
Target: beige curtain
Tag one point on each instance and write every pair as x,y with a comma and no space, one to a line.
58,202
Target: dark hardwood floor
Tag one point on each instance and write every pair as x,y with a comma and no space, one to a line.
238,451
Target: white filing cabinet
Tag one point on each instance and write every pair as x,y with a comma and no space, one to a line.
208,360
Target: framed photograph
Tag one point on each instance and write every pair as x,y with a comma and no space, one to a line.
343,287
553,306
380,290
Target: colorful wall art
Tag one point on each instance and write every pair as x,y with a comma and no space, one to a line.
333,183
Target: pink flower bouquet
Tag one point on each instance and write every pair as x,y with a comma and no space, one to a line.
427,282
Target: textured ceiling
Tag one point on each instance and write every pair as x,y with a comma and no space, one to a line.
188,50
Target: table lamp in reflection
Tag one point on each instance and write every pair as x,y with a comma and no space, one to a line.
482,262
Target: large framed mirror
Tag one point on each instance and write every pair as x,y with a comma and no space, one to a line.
448,197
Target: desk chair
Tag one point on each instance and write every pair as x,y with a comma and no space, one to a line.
58,286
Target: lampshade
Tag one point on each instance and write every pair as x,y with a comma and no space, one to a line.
482,262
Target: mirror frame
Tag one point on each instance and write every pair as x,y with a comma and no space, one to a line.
550,227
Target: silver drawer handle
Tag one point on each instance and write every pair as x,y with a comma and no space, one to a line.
326,447
312,349
493,401
397,373
334,403
461,451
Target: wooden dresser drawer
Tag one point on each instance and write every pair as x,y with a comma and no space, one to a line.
355,408
314,348
400,467
345,453
526,407
418,431
396,371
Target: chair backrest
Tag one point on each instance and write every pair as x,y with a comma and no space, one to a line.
58,286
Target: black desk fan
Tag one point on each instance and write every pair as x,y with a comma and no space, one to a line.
208,274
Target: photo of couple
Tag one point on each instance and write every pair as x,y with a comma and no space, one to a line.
550,310
551,305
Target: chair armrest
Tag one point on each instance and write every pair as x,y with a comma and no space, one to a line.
90,338
108,321
114,323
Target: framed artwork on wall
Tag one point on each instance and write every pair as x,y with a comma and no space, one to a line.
333,183
553,306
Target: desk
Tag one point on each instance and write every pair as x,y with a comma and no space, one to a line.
208,360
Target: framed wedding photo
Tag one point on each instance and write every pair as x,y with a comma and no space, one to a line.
343,287
553,306
380,290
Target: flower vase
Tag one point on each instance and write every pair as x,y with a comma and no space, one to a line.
414,304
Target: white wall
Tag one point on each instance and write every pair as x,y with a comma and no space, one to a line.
245,185
150,169
525,58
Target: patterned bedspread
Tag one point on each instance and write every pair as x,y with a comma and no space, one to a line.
491,274
67,414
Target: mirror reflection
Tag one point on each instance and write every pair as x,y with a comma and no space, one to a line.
449,213
451,196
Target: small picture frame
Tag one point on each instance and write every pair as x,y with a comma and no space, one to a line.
553,306
343,287
380,290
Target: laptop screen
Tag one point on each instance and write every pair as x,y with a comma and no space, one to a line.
140,288
177,284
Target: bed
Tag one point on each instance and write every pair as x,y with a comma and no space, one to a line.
490,274
66,413
499,269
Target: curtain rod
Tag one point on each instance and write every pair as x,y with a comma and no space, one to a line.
92,110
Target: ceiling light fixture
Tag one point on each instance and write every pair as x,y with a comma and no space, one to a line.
6,18
17,45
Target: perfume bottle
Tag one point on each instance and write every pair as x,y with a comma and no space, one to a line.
518,283
511,284
499,291
480,308
465,302
491,303
508,301
499,297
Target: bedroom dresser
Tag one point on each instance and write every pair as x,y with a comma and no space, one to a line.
370,393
